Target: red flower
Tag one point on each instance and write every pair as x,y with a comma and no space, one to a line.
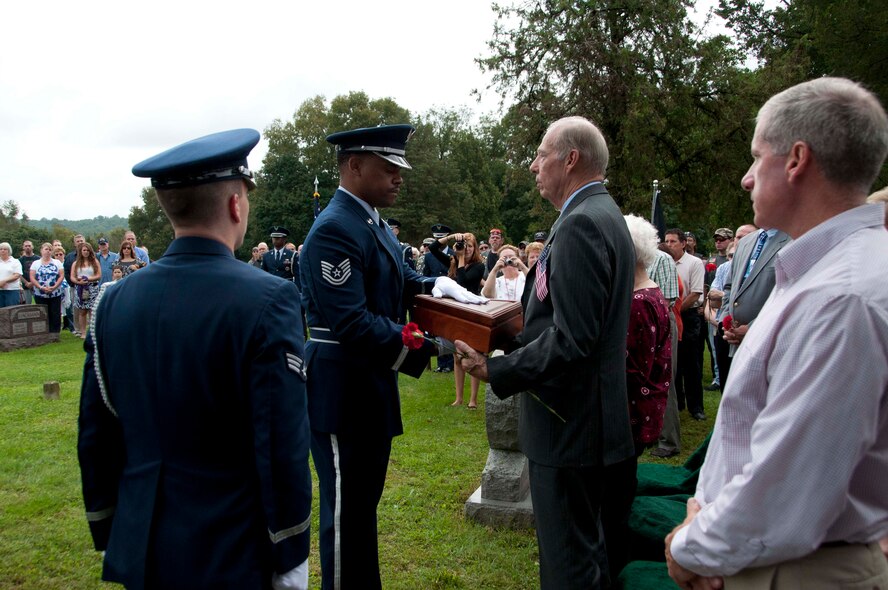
727,322
710,267
412,337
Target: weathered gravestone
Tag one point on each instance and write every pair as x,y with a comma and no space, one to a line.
503,500
51,390
24,326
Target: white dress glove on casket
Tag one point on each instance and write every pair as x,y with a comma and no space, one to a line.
295,579
450,288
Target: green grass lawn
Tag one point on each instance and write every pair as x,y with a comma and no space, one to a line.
424,540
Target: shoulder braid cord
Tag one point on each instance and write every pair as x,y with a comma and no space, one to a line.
97,367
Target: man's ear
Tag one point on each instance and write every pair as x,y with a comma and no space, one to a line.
354,164
798,160
234,208
573,157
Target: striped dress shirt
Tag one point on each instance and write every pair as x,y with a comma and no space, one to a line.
799,455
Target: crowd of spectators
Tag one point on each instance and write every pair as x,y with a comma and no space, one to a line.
66,282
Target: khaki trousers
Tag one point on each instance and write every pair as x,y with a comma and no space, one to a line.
851,567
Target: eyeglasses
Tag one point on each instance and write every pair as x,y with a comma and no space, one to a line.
720,239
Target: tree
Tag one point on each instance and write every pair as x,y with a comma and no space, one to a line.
150,224
804,39
15,231
298,152
670,103
453,179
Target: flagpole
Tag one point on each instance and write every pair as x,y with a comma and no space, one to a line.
654,200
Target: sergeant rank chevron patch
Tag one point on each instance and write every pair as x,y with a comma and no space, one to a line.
336,275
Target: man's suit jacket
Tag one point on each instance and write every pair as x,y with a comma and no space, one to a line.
353,278
201,479
746,296
573,346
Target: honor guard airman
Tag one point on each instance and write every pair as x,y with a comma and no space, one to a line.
353,277
280,261
406,249
193,431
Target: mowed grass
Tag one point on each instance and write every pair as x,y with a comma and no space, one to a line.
425,541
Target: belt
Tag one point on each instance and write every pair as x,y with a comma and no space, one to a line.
833,544
322,332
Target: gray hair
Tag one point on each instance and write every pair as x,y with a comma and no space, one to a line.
5,246
644,238
578,133
842,122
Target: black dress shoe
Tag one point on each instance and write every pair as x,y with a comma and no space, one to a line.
700,416
713,387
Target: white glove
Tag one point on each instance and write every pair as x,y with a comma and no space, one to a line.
295,579
447,286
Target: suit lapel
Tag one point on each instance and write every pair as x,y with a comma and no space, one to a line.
530,283
772,246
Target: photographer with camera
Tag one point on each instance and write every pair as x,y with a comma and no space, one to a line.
467,269
509,285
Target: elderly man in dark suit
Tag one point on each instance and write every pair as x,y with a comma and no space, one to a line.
194,437
572,355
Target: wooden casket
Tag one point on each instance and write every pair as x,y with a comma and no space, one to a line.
483,327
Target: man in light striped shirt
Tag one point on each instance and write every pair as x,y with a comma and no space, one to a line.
793,492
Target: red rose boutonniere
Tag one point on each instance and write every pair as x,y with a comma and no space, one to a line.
710,267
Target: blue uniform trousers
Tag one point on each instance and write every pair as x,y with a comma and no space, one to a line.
351,473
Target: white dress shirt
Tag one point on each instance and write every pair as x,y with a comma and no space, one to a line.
799,455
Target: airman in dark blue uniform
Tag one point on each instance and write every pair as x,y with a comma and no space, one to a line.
435,268
353,277
280,261
193,430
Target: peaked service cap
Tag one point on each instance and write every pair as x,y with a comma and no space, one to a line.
439,230
389,142
215,157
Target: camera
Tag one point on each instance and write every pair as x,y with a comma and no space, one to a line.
509,262
459,245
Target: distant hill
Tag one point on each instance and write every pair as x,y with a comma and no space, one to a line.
89,227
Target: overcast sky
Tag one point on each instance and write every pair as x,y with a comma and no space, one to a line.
88,89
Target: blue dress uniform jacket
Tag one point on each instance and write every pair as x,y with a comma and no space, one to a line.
201,479
353,278
287,267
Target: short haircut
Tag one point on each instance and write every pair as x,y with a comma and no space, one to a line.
842,122
5,246
578,133
677,232
644,238
200,204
